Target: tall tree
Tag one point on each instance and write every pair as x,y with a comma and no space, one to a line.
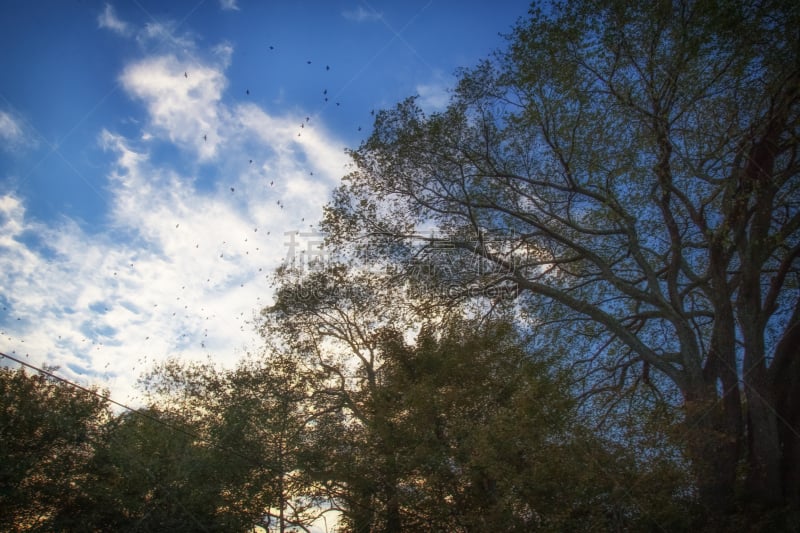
628,173
488,437
330,320
458,426
47,435
256,419
150,472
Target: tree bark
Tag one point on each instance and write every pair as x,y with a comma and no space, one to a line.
713,447
785,381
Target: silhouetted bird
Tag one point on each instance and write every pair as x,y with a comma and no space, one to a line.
272,47
325,91
232,189
309,62
205,137
185,74
251,161
248,92
327,67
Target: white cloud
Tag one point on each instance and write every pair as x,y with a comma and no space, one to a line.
14,134
10,131
158,34
223,52
228,5
183,263
360,14
154,34
182,99
108,19
433,96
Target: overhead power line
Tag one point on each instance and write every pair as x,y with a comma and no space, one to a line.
137,412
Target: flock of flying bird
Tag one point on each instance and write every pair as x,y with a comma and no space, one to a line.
302,126
86,339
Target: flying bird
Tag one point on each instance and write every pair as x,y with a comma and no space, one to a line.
327,67
309,61
247,91
185,74
205,137
232,189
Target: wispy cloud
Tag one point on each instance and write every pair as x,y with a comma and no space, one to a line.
108,19
228,5
433,96
159,34
360,14
153,34
10,131
183,263
182,100
14,134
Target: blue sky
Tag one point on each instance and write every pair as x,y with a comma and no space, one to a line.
156,156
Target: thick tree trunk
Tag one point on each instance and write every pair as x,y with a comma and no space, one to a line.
713,447
361,514
785,380
763,486
393,523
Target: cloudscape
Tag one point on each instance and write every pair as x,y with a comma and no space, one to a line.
157,164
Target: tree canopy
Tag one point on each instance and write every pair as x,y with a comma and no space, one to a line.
626,175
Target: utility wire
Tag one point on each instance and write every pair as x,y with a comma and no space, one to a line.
131,409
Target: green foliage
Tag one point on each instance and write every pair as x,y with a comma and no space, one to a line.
254,420
486,436
150,473
626,177
47,433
